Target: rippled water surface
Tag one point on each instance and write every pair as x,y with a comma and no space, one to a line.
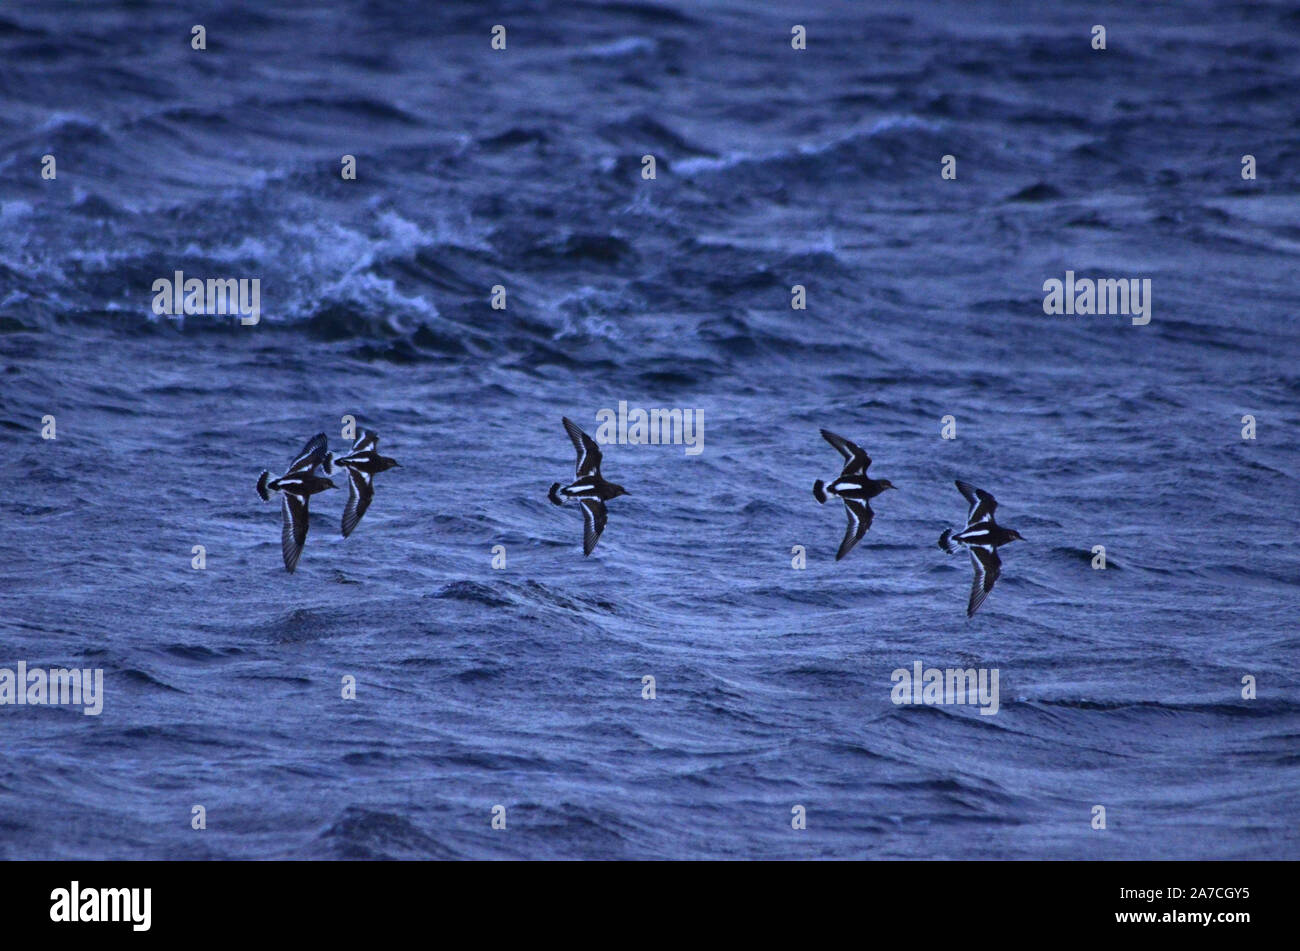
523,686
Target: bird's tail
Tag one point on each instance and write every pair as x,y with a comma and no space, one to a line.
946,542
819,491
261,486
328,463
554,494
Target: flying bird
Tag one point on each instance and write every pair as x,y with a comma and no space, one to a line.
298,484
362,463
853,488
588,487
982,537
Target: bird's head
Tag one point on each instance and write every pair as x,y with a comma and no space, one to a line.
886,484
1015,535
616,490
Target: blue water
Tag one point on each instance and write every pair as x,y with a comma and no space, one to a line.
522,687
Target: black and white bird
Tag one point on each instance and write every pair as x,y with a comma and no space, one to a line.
588,487
362,463
298,484
853,488
981,537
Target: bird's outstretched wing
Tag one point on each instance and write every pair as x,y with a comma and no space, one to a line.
856,459
360,491
312,455
588,452
982,505
859,515
367,440
293,530
987,566
593,523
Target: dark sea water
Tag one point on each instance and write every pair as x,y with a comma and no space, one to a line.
522,687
